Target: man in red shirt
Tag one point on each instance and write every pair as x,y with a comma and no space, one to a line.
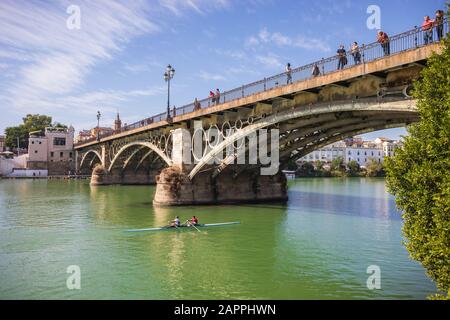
384,40
194,221
427,28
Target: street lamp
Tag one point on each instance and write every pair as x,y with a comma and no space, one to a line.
98,125
168,75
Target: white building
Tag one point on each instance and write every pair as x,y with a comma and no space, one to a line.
52,151
326,154
8,164
355,149
363,154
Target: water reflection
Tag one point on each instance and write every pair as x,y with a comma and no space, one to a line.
318,245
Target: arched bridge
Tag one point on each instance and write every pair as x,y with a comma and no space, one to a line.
212,153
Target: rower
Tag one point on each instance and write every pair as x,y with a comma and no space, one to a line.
194,221
175,223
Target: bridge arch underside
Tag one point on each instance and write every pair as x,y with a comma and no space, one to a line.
89,161
300,137
136,163
229,182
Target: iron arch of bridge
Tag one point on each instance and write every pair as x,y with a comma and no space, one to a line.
308,144
332,139
95,155
399,111
141,145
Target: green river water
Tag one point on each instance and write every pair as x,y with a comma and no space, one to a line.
317,246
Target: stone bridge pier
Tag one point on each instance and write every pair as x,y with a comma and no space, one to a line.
175,188
184,183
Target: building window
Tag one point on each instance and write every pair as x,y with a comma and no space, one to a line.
61,154
52,154
32,142
70,155
40,142
59,141
35,151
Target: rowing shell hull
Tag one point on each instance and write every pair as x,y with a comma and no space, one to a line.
184,227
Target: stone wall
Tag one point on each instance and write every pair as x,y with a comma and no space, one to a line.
174,188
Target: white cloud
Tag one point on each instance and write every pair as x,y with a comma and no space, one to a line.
52,60
211,77
265,37
177,7
270,61
234,54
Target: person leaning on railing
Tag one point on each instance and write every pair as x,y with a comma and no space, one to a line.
385,42
289,73
197,105
217,96
356,53
439,23
342,55
212,97
315,71
427,28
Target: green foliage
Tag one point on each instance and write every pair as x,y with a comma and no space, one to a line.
419,174
292,165
353,168
338,164
31,123
374,168
306,169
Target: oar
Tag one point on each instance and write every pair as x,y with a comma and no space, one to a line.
192,225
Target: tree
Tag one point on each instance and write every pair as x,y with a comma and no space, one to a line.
292,165
306,169
374,168
338,167
418,174
31,123
353,168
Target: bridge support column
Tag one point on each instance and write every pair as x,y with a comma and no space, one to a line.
173,188
101,177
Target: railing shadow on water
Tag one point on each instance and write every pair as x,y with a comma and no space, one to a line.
403,42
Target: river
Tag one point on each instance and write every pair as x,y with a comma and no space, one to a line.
317,246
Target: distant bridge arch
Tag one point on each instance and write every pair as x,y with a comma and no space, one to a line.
141,145
91,156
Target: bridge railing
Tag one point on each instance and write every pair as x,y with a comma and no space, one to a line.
406,41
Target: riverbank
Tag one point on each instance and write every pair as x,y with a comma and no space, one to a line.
48,178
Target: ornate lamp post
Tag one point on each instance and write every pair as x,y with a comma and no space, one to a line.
98,125
168,75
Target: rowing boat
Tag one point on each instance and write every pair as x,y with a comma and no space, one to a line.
184,226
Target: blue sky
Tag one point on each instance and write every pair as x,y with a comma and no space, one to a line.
115,62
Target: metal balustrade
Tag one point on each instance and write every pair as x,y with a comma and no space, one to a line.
403,42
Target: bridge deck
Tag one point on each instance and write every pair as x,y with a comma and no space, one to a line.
376,67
